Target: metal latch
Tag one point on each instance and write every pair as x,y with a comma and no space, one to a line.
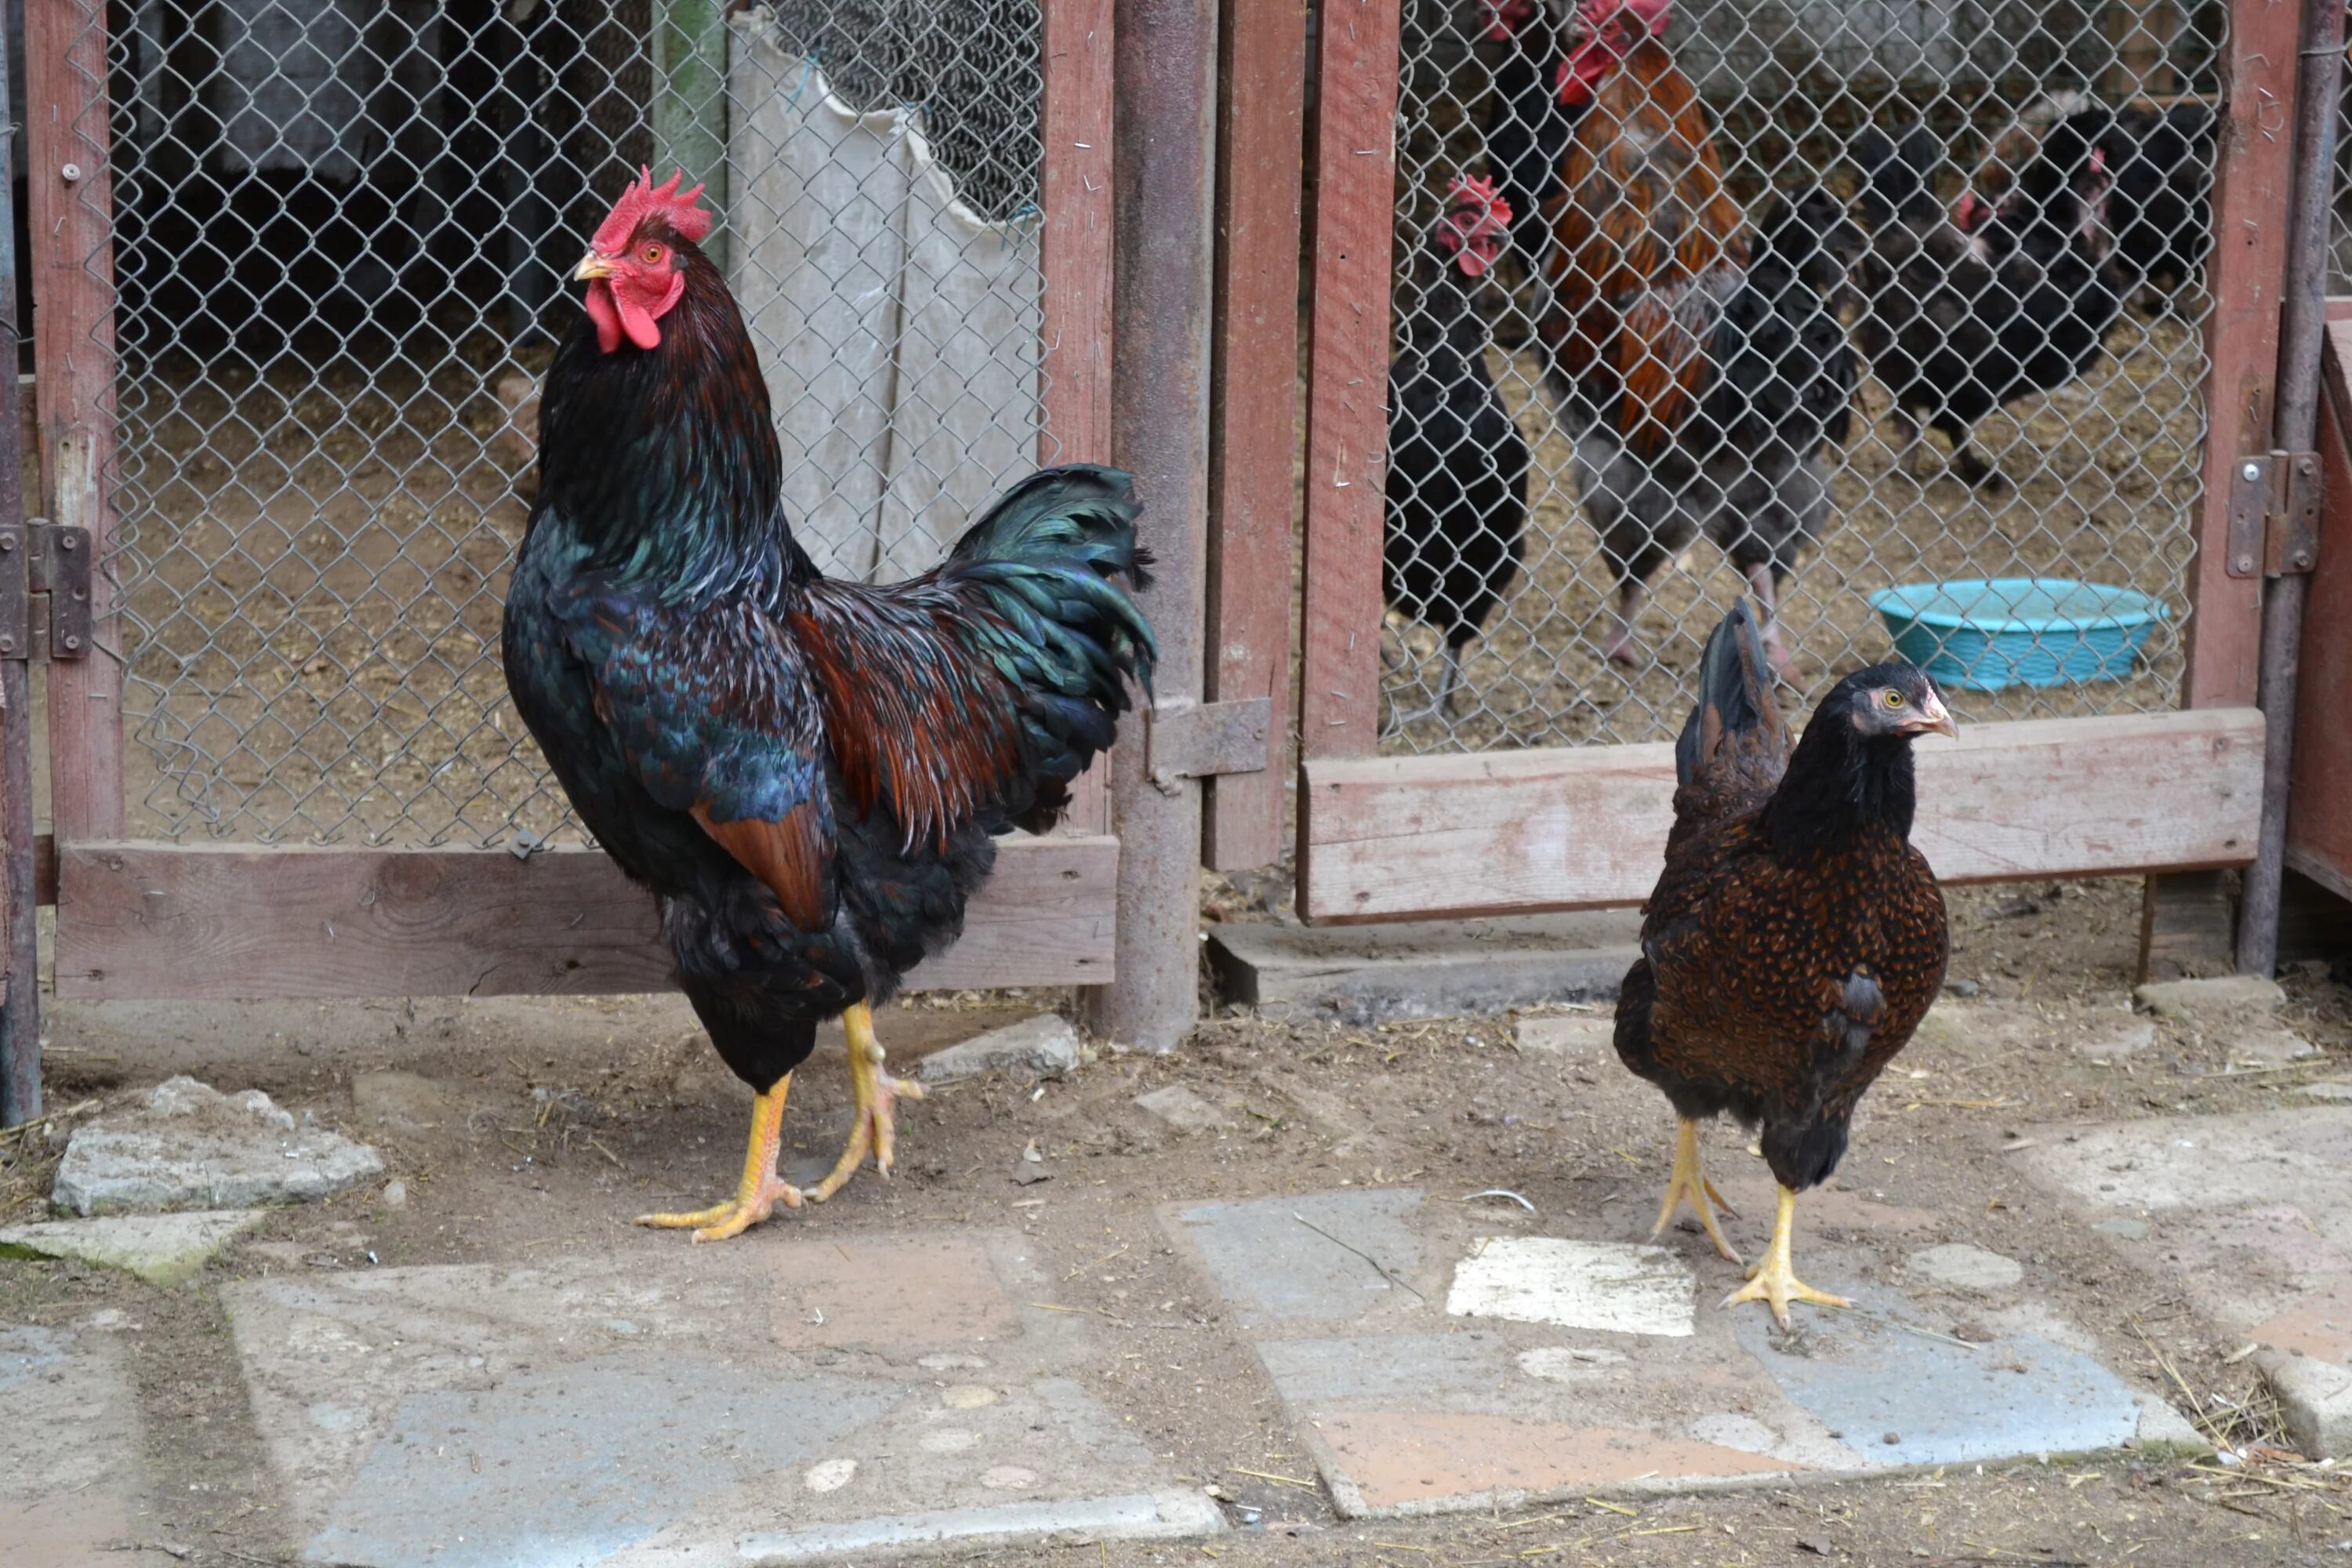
1205,740
2274,515
45,603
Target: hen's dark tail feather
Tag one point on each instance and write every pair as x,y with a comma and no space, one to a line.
1052,562
1734,744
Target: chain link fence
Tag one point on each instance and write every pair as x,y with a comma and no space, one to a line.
343,233
1713,382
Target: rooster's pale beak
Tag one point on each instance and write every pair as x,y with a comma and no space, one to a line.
592,265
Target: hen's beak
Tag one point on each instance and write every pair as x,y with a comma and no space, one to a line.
1933,716
592,265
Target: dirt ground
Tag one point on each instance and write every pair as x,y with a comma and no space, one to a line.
574,1115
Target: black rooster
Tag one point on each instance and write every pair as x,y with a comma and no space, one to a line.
1962,315
1795,938
1457,481
806,774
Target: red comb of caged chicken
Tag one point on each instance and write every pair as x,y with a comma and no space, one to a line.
1478,223
1606,32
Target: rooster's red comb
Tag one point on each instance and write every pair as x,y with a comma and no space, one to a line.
644,199
1480,202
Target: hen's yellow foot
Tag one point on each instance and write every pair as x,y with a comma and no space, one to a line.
875,1126
759,1191
1774,1281
1689,1183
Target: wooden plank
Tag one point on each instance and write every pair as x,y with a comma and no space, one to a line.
2188,925
1075,256
2314,918
69,192
2319,799
1348,376
204,923
2252,177
1253,410
1584,828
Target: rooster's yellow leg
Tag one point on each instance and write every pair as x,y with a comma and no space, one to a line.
759,1192
1689,1183
1774,1281
877,1124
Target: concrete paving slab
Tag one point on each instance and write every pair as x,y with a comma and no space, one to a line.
184,1145
68,1450
1499,1369
1042,1047
2252,1215
161,1248
780,1402
1364,975
2222,993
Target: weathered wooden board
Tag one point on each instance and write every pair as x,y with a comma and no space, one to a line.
220,923
1253,411
70,197
2319,802
1346,405
1075,259
1582,827
2252,179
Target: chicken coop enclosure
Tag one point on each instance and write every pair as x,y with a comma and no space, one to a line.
1940,325
301,265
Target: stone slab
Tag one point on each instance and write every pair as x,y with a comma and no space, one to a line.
2193,998
1042,1047
1432,1365
161,1248
2252,1215
184,1145
774,1402
1363,974
1571,1033
69,1450
1184,1109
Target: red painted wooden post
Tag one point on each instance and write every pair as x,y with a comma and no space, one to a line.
70,190
2254,174
1347,406
1074,259
1254,412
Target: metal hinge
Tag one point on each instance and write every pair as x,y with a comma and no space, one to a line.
1205,740
2274,515
45,604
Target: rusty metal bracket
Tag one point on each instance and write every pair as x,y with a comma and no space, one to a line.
45,604
1205,740
2274,514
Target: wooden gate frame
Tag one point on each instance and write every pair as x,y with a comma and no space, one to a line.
185,921
1582,827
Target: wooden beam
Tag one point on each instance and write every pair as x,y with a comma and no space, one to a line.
2252,178
1348,384
2319,800
2188,925
1584,827
204,923
1075,261
1253,410
70,193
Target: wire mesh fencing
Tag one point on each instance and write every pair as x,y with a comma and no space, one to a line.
1869,310
343,233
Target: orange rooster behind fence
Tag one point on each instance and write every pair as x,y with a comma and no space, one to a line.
1700,358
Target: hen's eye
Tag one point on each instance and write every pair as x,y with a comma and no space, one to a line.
1894,699
653,255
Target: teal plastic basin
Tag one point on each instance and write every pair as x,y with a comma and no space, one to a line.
2018,631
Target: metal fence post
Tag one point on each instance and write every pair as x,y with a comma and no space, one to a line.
1164,67
689,106
2303,323
20,976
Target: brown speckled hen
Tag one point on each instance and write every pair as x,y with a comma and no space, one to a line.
1795,938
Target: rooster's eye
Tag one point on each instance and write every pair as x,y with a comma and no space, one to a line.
653,255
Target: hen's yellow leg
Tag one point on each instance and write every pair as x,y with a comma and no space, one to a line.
759,1192
1689,1183
877,1124
1774,1281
